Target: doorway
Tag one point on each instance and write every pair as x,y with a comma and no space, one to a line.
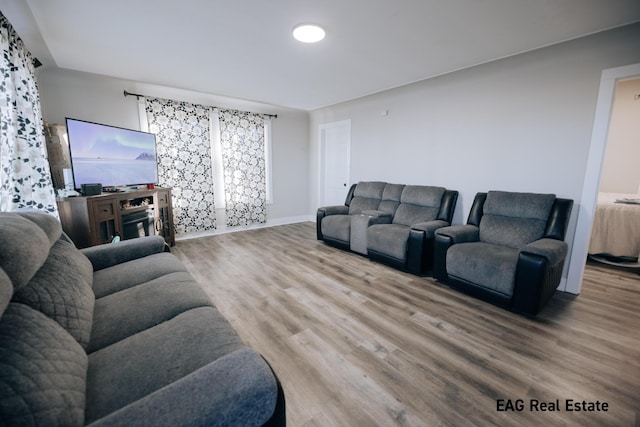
587,205
335,150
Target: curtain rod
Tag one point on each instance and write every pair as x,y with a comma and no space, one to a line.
138,96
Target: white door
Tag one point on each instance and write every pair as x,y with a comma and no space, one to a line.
335,148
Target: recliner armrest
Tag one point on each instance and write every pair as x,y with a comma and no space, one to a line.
460,233
103,256
430,227
334,210
538,273
553,250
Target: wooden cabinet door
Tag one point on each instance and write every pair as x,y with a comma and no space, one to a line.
106,224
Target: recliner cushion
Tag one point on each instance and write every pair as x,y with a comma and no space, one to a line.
127,312
337,227
61,289
514,219
487,265
418,203
391,198
145,362
389,239
25,245
132,273
42,371
366,196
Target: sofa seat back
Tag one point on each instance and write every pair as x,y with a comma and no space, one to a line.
46,311
366,196
391,197
514,219
390,240
418,203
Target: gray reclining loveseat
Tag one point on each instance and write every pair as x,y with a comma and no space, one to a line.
390,223
117,334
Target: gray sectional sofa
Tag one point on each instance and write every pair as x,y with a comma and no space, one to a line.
390,223
118,334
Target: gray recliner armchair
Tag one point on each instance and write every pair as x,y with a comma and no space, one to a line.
511,251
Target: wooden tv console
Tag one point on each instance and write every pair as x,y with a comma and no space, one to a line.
94,220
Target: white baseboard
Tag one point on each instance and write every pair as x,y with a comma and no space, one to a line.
224,229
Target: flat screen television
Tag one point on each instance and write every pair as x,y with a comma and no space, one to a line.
111,156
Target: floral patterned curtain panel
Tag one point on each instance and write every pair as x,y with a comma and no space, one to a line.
25,179
184,160
242,142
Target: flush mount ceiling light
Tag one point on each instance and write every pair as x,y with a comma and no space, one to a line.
308,33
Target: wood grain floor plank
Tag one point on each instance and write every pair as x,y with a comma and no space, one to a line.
356,343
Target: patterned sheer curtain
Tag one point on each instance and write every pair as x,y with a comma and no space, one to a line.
25,179
242,144
184,160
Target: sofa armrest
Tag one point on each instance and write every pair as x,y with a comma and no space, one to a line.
377,214
239,389
460,233
553,250
444,238
420,246
538,274
334,210
430,227
108,255
377,217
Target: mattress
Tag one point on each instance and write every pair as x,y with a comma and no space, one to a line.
616,226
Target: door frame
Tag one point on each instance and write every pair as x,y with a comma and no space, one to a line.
322,129
586,207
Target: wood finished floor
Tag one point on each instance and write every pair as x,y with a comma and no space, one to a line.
356,343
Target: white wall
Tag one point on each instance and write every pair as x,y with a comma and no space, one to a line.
620,170
519,124
66,93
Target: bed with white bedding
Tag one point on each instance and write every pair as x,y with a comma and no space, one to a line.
616,227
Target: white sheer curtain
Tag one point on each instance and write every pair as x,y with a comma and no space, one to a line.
243,159
25,179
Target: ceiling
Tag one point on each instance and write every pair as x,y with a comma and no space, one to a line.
244,49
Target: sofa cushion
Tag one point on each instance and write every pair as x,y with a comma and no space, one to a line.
131,273
130,369
42,371
366,196
6,290
389,239
61,289
514,219
391,198
337,227
132,310
490,266
418,203
238,389
25,245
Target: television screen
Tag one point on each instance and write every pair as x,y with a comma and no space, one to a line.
110,155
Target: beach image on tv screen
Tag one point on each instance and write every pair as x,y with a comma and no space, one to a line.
111,156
